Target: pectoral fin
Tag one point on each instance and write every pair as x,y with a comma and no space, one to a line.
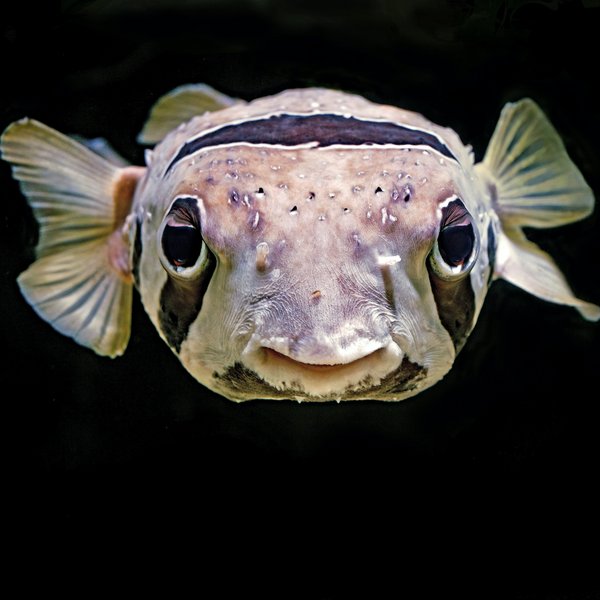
179,106
533,183
81,280
536,183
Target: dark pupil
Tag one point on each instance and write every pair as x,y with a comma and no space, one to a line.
456,243
181,245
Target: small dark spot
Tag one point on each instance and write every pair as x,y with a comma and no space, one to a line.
137,251
346,210
210,180
234,196
311,196
408,191
260,191
293,210
316,295
378,190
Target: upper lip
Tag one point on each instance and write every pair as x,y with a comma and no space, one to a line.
323,367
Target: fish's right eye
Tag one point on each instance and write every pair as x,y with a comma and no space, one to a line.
182,249
457,246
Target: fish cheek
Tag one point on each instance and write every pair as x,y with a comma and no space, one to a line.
179,306
455,302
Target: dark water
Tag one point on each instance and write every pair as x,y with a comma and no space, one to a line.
485,483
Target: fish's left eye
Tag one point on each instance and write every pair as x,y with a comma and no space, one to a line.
181,245
457,245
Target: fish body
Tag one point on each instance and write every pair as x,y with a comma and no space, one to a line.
310,245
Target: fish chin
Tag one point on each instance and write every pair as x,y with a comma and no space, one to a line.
364,364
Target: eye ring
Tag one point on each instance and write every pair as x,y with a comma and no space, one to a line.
456,247
182,251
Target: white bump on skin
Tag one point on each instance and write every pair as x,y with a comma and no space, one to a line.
384,215
321,217
256,219
262,252
388,261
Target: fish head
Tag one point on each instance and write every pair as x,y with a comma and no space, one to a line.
312,274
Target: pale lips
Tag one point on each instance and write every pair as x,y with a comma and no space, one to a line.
364,365
273,356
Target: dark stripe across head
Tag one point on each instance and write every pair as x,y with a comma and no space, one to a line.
321,130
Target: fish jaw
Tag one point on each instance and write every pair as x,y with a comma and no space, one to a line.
323,368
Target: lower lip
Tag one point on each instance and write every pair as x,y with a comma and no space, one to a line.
275,357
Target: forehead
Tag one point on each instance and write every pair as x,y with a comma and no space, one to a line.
313,103
367,192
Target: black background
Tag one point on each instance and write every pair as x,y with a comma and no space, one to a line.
483,485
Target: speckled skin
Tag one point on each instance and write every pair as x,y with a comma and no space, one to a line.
321,289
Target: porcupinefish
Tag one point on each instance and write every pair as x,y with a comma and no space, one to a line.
310,245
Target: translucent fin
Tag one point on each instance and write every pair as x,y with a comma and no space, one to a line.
80,282
533,183
537,184
524,264
179,106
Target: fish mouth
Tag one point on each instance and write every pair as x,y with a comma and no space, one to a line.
363,365
275,357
